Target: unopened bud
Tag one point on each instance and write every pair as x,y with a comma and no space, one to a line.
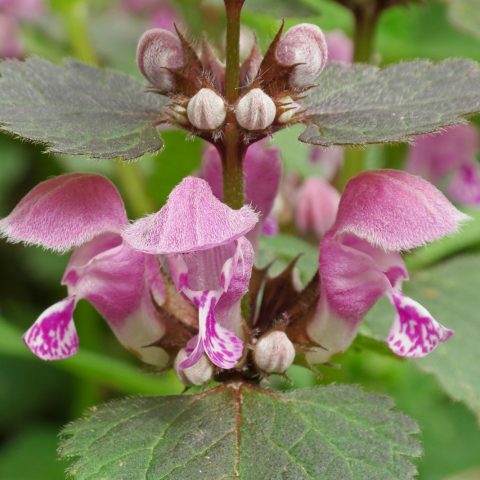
340,47
255,110
316,206
179,114
159,50
198,374
306,46
274,352
288,109
206,110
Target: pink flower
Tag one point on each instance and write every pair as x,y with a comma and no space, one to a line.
448,160
340,47
210,262
381,213
160,12
262,172
316,206
22,9
11,13
10,45
85,212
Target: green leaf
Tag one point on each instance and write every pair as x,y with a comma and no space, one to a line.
450,292
78,109
359,104
465,14
241,432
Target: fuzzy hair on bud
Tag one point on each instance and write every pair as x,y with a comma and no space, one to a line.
274,352
158,51
198,374
255,110
206,110
305,46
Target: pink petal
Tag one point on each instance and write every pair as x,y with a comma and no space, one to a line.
355,274
262,174
414,333
340,47
22,9
465,185
120,283
10,44
329,159
270,227
334,333
316,206
434,156
165,17
53,336
395,210
215,281
193,219
212,171
65,212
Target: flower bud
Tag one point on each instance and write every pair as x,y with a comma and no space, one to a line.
206,110
340,47
274,352
179,114
316,206
288,109
255,110
158,51
306,46
198,374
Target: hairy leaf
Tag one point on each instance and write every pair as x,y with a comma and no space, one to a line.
450,292
241,432
78,109
465,14
359,104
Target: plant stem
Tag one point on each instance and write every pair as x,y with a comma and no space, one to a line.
355,160
233,150
366,19
75,17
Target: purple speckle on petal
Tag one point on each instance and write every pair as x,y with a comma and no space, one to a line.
53,335
415,333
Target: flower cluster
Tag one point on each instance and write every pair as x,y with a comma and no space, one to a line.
180,286
447,159
270,85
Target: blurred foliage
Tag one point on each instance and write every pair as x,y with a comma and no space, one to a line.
37,398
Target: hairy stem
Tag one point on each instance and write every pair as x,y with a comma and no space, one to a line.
233,151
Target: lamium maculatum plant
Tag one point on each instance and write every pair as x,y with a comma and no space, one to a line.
184,287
